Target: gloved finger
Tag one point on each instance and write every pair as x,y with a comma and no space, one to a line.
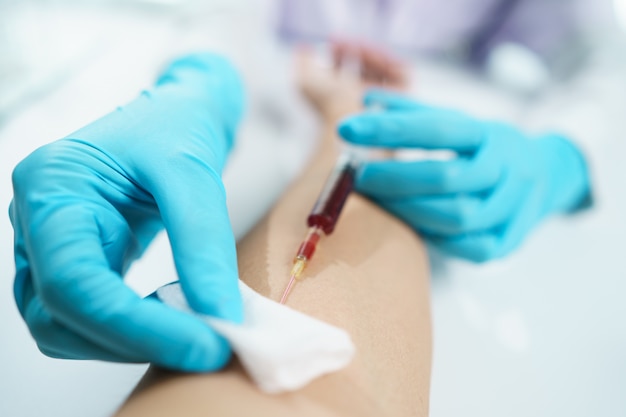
53,339
72,277
196,219
463,213
390,100
401,179
21,260
122,245
500,241
521,223
429,129
56,340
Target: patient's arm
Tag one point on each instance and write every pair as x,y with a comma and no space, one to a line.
369,277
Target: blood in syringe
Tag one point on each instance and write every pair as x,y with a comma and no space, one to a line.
330,202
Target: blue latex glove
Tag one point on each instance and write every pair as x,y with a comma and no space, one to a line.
88,205
481,205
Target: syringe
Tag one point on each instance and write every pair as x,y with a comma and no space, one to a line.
324,215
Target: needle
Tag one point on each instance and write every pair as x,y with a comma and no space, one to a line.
298,266
288,289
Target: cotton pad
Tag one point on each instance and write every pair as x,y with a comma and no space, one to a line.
280,348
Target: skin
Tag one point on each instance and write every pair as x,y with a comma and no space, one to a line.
370,277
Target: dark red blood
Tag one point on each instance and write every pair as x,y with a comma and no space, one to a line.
332,198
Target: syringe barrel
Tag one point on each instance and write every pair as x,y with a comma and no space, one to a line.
308,246
329,204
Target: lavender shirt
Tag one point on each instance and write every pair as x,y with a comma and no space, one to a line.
442,27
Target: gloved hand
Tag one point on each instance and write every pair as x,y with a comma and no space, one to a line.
88,205
481,205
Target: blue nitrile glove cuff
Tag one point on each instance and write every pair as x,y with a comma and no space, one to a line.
198,95
192,76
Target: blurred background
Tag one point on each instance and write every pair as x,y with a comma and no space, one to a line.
541,333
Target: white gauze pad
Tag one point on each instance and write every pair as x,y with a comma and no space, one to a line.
280,348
